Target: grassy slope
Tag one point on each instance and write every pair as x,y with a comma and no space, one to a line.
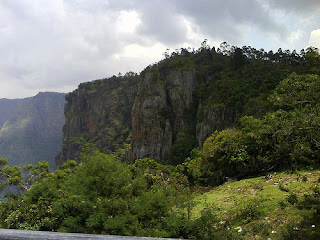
260,206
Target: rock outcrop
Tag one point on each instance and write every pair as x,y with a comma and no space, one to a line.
98,113
211,119
145,115
157,112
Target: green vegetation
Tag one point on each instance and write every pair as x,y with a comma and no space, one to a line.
234,76
240,79
103,195
286,138
277,206
257,180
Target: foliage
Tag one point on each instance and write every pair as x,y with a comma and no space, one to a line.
181,148
13,177
249,211
209,226
298,92
256,208
308,228
101,195
149,199
287,137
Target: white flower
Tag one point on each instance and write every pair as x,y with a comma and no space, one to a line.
313,226
274,232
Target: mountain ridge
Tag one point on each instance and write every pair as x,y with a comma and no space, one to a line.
175,104
31,128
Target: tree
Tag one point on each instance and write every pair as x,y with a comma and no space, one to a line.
13,177
238,59
298,91
313,59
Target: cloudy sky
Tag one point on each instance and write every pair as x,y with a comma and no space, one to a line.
55,45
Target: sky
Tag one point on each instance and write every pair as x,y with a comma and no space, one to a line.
56,45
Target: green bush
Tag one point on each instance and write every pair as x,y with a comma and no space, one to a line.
251,210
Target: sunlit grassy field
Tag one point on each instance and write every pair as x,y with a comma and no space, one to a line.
261,207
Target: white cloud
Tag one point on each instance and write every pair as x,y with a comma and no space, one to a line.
314,40
59,45
128,21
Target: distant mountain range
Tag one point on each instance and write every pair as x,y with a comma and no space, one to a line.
31,128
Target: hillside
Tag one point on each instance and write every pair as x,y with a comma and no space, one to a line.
7,105
174,105
280,205
31,128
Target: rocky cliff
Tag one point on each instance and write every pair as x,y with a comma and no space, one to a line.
151,112
173,105
98,113
157,114
213,118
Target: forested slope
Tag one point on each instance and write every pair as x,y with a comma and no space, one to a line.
175,104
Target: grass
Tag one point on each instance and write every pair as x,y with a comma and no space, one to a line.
262,207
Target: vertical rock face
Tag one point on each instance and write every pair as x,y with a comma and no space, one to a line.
157,112
211,119
98,113
151,112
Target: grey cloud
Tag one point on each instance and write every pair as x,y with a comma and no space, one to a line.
65,48
304,16
61,43
223,20
298,6
161,22
229,19
160,19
